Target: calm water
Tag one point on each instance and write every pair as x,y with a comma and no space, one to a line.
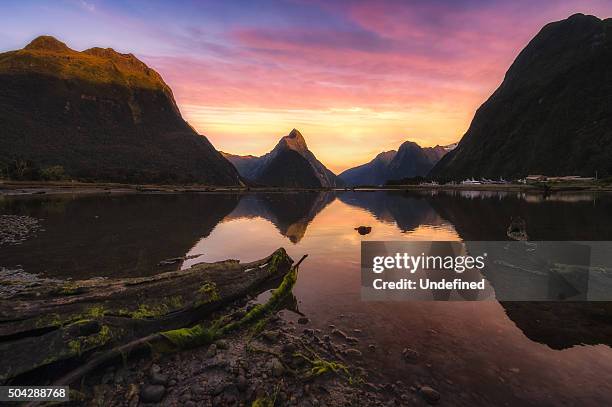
473,353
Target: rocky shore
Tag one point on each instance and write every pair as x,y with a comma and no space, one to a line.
278,362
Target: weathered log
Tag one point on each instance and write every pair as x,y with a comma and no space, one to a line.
197,335
57,321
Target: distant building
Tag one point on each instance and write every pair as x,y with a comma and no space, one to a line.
471,182
565,178
536,178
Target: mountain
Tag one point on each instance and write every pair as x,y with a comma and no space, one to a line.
373,173
551,115
289,164
410,160
97,115
245,164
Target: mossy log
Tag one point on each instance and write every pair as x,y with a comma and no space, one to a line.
197,335
58,321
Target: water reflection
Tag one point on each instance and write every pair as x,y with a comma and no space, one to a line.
407,212
289,212
471,352
110,235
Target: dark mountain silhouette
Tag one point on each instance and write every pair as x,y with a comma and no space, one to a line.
410,160
245,164
289,164
551,115
373,173
97,115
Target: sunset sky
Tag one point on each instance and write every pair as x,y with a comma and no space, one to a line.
355,77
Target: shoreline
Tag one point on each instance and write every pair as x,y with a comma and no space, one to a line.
40,188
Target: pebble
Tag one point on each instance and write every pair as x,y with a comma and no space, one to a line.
197,390
354,353
276,368
338,333
289,348
241,383
212,351
158,378
216,387
410,355
270,336
303,320
430,395
152,393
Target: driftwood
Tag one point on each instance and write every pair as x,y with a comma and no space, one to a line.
197,335
54,322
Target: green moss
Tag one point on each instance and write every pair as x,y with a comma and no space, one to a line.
189,337
200,334
49,320
210,291
176,302
78,345
320,366
275,260
263,402
70,289
96,311
144,311
152,311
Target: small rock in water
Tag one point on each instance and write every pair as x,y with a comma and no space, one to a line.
171,261
152,393
338,333
410,355
372,347
309,332
353,353
363,230
430,395
303,320
352,339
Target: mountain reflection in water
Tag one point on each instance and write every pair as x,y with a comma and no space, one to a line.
473,353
